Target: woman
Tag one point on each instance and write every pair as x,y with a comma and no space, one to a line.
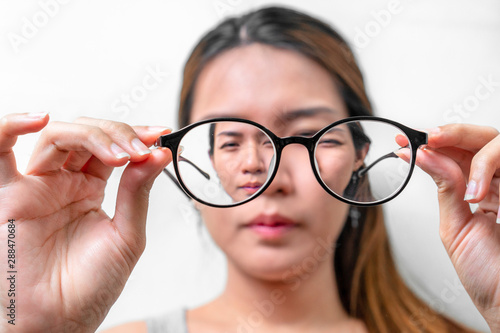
269,67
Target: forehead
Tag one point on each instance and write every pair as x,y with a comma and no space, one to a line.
263,83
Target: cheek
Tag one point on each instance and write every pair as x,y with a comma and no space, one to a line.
326,213
335,215
219,223
225,166
221,166
224,175
336,169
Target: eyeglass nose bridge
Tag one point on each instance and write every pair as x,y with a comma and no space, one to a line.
301,140
309,143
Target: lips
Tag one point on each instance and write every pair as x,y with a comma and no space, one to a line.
251,187
271,227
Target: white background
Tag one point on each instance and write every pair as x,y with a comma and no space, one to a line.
422,60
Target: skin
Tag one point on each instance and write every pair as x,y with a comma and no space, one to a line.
57,208
257,265
241,158
64,185
243,153
460,155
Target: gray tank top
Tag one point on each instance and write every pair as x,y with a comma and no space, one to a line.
170,322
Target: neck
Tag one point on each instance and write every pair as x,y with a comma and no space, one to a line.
304,299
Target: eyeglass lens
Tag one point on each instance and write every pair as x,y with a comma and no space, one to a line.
227,162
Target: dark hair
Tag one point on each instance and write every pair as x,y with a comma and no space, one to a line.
369,285
281,28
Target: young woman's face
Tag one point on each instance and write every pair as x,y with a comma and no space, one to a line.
295,217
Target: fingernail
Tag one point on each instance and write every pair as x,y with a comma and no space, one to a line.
498,220
37,115
471,191
119,153
181,149
433,131
140,147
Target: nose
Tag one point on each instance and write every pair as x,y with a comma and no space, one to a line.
253,161
294,163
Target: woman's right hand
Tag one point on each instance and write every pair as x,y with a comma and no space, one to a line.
71,259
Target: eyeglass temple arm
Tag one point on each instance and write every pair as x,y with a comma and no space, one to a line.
183,159
176,182
159,143
363,171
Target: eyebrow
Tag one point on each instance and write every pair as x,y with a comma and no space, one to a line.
237,134
307,113
230,133
288,115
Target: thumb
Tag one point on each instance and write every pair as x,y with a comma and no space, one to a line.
454,212
133,197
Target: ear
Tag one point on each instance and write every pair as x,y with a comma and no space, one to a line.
360,156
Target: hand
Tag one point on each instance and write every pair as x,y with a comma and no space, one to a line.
72,260
460,155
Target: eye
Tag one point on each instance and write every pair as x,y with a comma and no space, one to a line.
330,142
267,142
335,137
230,145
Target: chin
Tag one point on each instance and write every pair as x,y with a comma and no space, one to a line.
280,265
278,275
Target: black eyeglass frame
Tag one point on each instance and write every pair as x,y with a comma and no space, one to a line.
172,142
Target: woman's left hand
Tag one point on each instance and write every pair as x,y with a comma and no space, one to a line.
464,161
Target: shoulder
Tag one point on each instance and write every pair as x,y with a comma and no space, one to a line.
133,327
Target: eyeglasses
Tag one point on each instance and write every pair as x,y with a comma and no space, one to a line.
225,162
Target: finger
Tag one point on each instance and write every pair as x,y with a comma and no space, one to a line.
11,126
147,134
454,211
464,136
133,197
490,203
120,133
402,140
485,165
96,168
462,157
76,160
126,136
58,139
